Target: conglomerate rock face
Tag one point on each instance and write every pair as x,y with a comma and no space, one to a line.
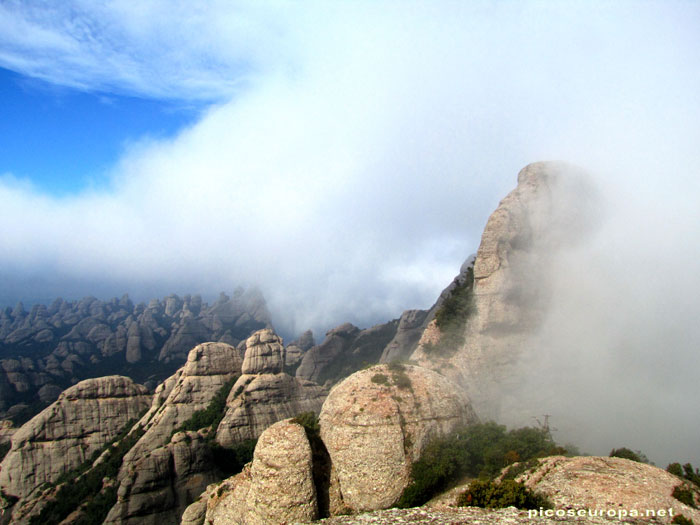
277,487
158,486
264,394
375,424
208,367
162,472
551,207
80,422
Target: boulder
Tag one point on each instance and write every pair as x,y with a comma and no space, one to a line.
277,487
376,423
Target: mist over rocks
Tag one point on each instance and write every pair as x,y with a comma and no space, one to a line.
511,283
46,349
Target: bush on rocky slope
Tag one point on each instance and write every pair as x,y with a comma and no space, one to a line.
480,450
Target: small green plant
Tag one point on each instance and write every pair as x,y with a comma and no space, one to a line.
380,379
213,414
685,472
682,520
627,453
684,495
509,493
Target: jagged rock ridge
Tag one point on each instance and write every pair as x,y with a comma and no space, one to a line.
46,349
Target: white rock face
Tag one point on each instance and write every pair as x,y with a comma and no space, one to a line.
610,484
375,424
67,433
277,487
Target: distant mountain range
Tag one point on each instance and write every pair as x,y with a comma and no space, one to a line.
49,348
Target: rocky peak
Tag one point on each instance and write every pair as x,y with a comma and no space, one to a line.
510,291
264,353
276,487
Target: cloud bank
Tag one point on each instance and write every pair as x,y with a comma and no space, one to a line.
353,152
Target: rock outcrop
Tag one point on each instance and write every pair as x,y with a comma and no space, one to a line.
345,349
68,432
375,424
47,348
157,487
162,471
549,207
296,349
277,487
610,484
264,394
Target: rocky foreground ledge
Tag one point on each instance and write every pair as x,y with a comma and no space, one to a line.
467,515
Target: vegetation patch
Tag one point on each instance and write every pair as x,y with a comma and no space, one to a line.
682,520
509,493
684,495
399,376
685,472
229,461
213,414
480,450
627,453
452,316
380,379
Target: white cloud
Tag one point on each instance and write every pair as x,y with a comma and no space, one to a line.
356,149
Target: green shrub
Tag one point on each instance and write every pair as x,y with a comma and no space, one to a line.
380,379
685,472
85,484
627,453
401,379
452,316
682,520
458,305
230,460
480,450
684,495
509,493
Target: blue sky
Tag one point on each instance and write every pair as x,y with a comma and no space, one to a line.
345,157
65,140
